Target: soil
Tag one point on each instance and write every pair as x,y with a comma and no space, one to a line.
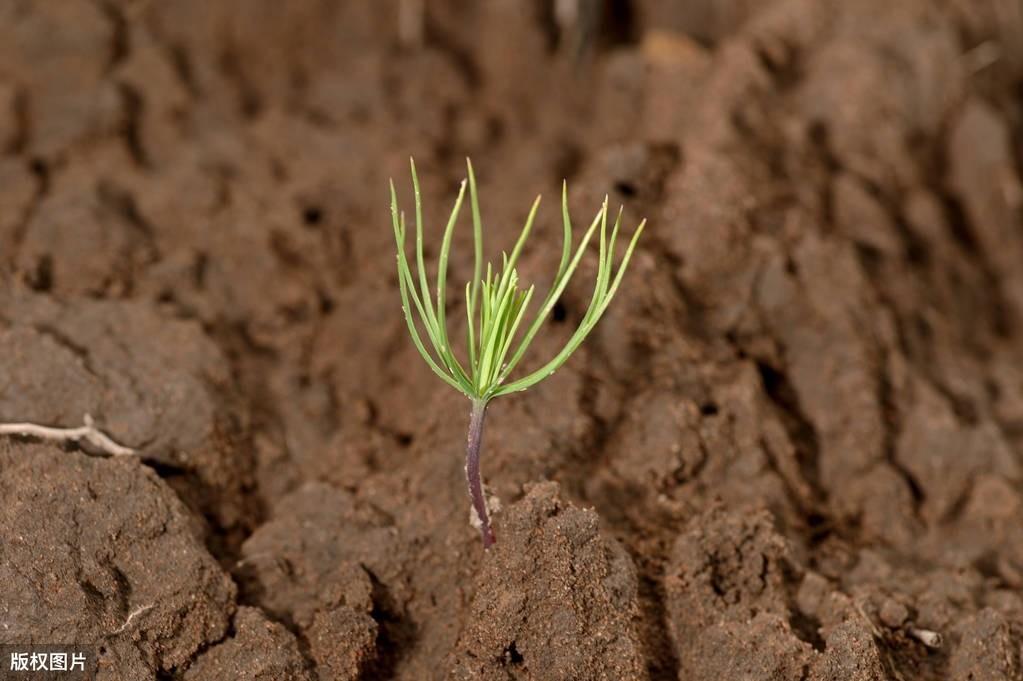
792,448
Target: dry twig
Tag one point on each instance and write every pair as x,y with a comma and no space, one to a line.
134,613
88,432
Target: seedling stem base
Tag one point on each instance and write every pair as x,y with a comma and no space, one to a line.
472,470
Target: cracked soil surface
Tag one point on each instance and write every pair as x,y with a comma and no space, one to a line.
791,450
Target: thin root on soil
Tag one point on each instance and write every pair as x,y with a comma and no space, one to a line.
87,432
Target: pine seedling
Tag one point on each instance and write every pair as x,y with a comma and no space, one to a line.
496,307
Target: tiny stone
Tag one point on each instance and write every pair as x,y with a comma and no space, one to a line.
811,593
931,639
893,614
363,411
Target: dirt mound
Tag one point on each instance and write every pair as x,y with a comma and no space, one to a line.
554,600
258,649
102,552
322,567
791,449
157,385
731,588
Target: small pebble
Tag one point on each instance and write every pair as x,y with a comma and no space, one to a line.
893,614
811,594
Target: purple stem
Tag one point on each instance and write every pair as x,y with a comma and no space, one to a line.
472,470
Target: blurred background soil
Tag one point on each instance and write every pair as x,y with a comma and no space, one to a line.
792,449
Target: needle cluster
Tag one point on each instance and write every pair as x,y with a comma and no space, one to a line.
495,304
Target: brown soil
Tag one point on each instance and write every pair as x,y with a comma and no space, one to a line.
792,449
